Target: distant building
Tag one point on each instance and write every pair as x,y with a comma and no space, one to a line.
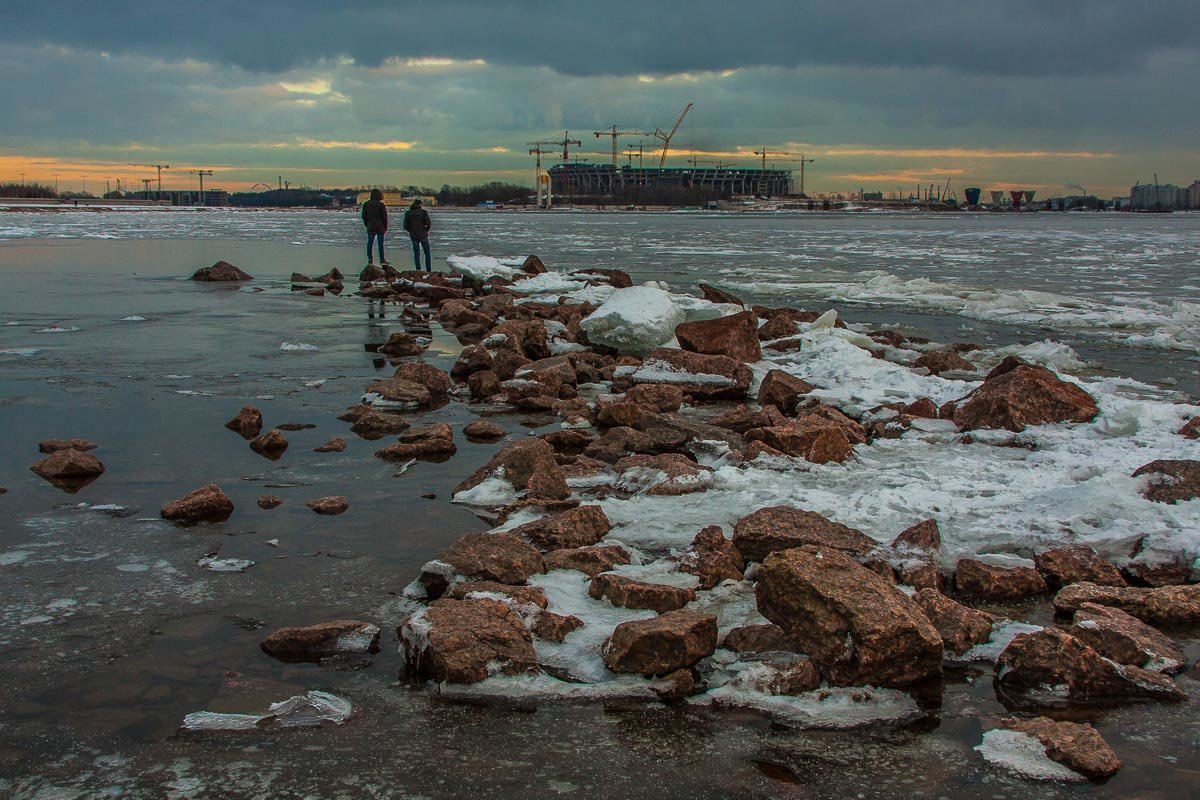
1159,197
1194,194
398,199
872,195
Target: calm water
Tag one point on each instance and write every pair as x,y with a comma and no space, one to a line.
110,633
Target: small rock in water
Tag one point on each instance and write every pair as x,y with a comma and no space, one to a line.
1078,747
221,271
296,426
335,445
269,501
270,445
248,422
206,504
483,430
329,506
314,642
69,470
54,445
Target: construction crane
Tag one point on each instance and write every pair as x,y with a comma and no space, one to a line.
765,152
544,180
146,186
160,168
666,137
617,131
201,173
638,150
803,160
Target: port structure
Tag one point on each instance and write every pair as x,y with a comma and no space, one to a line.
160,168
201,173
617,131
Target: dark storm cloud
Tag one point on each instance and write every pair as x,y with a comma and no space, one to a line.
618,37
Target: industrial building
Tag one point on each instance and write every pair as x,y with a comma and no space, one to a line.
608,180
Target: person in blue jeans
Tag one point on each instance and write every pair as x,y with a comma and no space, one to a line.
374,216
418,225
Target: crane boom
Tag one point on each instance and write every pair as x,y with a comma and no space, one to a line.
666,137
620,130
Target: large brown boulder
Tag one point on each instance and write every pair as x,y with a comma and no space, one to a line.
1077,746
704,377
658,646
735,336
1170,480
69,465
774,528
400,392
782,390
221,271
1061,566
475,358
578,527
1054,661
659,398
855,626
533,265
712,558
206,504
998,583
629,593
1166,605
1126,639
377,424
810,437
519,463
430,442
1023,396
435,380
588,560
466,641
314,642
961,628
499,557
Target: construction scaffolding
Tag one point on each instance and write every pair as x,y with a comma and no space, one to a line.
605,179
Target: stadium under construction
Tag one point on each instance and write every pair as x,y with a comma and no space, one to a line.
582,179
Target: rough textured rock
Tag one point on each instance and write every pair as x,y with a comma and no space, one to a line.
400,344
767,530
939,361
588,560
269,501
483,430
1155,571
430,441
993,582
781,673
714,295
712,558
1024,395
782,390
221,271
757,639
1054,662
742,418
1170,480
961,628
1077,746
629,593
924,536
466,641
663,475
520,462
811,438
68,465
377,424
329,506
1167,605
855,433
483,384
855,626
248,422
923,408
499,557
735,336
659,646
314,642
1191,429
704,377
335,445
1126,639
519,595
533,265
54,445
271,444
551,627
437,382
206,504
475,358
1076,564
399,392
657,397
578,527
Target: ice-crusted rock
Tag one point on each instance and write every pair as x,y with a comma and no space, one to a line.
735,336
398,393
704,377
1126,639
1167,605
588,560
855,626
1061,566
577,527
517,465
1170,481
712,558
314,642
466,641
1022,396
1051,666
500,557
1000,582
206,504
810,437
774,528
307,710
666,474
1023,755
221,271
961,628
1077,746
634,320
626,592
661,645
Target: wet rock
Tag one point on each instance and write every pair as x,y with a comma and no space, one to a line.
1076,746
576,528
742,418
782,390
519,595
271,444
676,686
483,384
656,397
518,463
355,412
961,628
1156,571
998,583
568,441
69,465
1191,430
735,336
329,506
1170,480
551,627
663,475
923,408
616,278
483,430
714,295
269,501
939,361
472,359
1076,564
924,536
1024,395
704,377
811,438
437,382
221,271
1126,639
616,411
588,560
712,558
533,265
499,557
316,291
855,433
466,641
54,445
377,424
780,673
314,642
296,426
335,445
855,626
1167,605
757,639
430,441
629,593
248,422
659,646
398,392
1051,665
206,504
774,528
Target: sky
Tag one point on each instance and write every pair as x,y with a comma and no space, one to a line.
883,96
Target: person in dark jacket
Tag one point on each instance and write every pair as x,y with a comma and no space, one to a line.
418,225
374,216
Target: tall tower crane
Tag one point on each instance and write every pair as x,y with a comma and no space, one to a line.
160,168
615,131
201,173
803,160
666,137
542,179
765,152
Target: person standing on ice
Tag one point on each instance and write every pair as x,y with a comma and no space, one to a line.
374,217
418,225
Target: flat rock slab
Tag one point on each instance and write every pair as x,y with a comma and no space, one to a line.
774,528
661,645
314,642
1166,605
629,593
